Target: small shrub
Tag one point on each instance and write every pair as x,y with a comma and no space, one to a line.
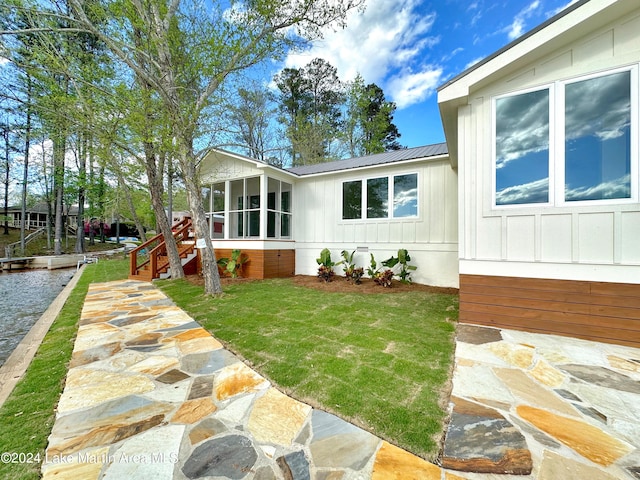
233,266
403,260
383,278
372,269
325,271
357,275
350,266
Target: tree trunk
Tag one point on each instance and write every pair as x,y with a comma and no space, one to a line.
212,284
25,177
58,190
6,180
155,188
82,181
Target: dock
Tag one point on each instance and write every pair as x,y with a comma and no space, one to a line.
15,263
50,262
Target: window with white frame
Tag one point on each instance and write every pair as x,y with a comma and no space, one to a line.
571,142
393,196
238,204
244,211
278,209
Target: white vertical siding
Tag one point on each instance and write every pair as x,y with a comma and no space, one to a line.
431,239
573,241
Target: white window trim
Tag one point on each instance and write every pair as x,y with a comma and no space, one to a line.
390,195
560,141
552,126
557,143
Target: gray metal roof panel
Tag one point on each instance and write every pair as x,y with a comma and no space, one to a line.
372,160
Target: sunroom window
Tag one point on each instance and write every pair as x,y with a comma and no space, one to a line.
278,209
244,213
569,142
239,203
374,196
218,214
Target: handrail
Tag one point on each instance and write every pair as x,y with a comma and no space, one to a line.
179,234
10,249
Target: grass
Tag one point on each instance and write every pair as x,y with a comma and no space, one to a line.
27,416
382,360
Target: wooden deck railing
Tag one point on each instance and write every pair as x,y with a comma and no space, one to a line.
148,260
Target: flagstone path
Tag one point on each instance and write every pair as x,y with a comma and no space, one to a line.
543,406
152,395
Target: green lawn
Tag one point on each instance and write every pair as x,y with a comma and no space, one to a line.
26,418
382,360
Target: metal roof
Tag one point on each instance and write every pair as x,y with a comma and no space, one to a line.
372,160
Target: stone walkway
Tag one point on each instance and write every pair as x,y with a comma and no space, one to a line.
543,406
151,395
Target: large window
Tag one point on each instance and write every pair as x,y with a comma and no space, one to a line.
244,212
522,148
374,196
239,203
278,209
569,142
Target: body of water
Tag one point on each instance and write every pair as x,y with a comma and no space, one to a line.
24,296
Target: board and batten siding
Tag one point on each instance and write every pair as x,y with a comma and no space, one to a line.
571,243
431,238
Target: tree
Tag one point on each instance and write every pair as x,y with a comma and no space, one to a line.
188,53
250,116
183,53
369,126
311,100
6,164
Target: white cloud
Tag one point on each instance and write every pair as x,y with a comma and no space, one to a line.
517,27
473,62
386,45
408,88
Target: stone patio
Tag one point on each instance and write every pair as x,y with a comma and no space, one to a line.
152,395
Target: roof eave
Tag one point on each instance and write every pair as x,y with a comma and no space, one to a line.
253,161
532,41
559,30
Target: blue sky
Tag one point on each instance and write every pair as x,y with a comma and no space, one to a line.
410,48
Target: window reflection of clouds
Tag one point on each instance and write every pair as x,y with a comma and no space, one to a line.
618,188
522,148
405,196
522,126
598,106
597,138
533,192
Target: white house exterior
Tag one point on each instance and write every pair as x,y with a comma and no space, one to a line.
375,205
531,208
545,138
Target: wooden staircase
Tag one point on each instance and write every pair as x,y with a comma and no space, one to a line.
150,261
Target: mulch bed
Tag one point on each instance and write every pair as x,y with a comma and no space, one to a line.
341,285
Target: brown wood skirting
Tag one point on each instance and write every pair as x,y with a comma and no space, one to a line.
599,311
265,263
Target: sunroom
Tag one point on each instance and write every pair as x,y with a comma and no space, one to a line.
249,207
